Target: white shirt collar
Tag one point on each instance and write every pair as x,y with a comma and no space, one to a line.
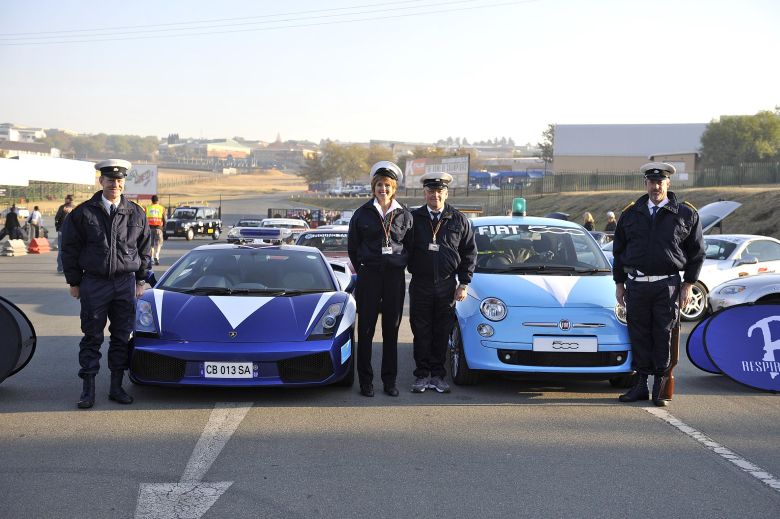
430,211
650,204
393,206
107,204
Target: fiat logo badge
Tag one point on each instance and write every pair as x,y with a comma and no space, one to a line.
232,334
564,324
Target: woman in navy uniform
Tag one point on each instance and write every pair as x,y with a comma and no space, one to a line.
655,238
105,253
378,242
444,248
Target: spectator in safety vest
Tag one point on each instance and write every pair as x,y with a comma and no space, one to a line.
155,216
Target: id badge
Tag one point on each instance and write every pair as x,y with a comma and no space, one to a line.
433,246
387,250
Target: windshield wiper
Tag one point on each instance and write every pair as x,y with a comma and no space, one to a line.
205,290
586,270
292,292
536,269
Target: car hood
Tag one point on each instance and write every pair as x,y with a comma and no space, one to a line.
546,291
712,214
203,318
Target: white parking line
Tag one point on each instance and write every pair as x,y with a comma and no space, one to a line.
747,466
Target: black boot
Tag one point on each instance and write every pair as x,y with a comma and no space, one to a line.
657,400
116,392
87,398
638,392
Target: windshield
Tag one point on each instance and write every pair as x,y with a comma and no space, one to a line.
326,242
184,214
248,223
538,249
718,249
283,225
248,270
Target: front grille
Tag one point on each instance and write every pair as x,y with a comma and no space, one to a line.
153,366
307,368
563,359
170,226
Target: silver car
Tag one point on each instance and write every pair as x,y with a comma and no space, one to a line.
761,288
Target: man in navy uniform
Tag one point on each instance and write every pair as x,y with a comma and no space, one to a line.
656,238
443,250
105,254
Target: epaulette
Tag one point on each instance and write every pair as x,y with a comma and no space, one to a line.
626,207
690,205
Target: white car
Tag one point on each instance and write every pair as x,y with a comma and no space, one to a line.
763,288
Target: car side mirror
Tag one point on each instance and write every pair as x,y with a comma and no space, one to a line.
747,259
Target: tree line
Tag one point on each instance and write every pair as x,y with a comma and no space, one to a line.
130,147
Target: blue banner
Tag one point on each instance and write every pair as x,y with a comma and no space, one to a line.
694,347
743,341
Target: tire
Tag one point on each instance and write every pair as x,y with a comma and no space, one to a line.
190,234
349,378
461,374
215,236
623,381
698,306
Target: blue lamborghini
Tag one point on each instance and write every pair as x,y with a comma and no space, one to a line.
246,315
541,302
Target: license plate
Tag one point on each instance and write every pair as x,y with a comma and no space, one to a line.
210,231
566,344
227,369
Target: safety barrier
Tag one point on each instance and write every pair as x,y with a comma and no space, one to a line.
39,246
10,247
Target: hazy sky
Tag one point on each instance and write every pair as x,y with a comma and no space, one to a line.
473,68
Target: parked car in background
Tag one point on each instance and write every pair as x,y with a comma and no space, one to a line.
246,316
729,257
234,232
331,240
191,221
295,225
762,288
541,302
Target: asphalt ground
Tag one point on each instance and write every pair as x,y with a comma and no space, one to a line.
506,447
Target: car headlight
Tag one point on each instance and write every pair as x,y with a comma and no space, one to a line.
620,313
144,317
234,233
730,290
328,323
493,309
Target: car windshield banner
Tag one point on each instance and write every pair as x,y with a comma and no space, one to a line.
695,348
744,343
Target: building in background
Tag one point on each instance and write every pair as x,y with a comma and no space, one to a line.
618,148
15,133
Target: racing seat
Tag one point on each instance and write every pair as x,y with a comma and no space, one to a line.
223,266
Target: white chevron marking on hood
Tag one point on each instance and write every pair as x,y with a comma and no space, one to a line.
237,309
158,300
324,297
557,286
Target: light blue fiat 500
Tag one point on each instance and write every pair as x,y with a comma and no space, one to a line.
542,301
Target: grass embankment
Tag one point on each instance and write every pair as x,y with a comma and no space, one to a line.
759,213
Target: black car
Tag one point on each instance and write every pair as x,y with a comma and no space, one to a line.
191,221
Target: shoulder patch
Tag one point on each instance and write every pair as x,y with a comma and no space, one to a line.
627,207
690,205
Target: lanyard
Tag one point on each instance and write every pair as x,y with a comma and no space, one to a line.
386,228
436,230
